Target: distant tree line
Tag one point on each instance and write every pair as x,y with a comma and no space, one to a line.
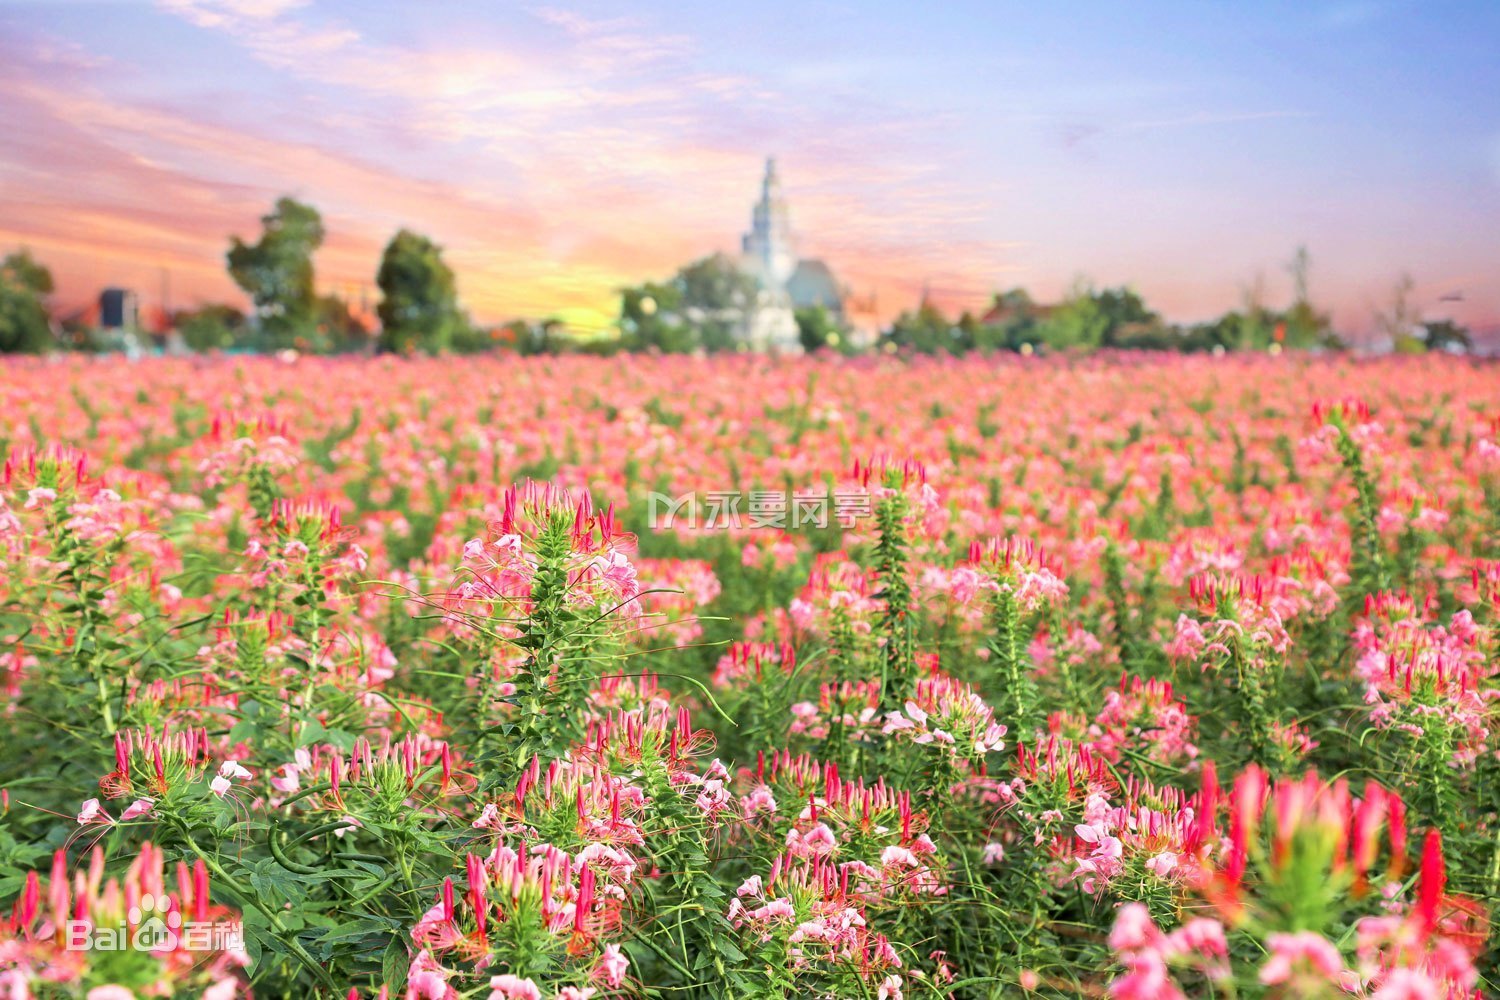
1090,319
418,308
700,308
696,309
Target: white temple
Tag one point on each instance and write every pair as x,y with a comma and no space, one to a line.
785,283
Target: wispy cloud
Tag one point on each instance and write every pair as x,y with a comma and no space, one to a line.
559,153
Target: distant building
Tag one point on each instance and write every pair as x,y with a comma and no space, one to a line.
119,310
785,283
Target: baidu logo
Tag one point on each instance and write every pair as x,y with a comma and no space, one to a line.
158,928
154,931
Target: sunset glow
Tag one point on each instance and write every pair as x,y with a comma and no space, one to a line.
561,153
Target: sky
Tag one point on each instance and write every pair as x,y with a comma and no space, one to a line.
560,152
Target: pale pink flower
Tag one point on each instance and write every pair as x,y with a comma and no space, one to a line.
1134,929
140,807
1304,950
110,992
1409,984
612,966
509,987
35,498
92,812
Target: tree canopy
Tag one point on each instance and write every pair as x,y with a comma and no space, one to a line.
24,287
277,272
419,305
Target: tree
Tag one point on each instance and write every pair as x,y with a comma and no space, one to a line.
1126,317
1079,322
715,284
340,329
702,306
1303,326
24,287
650,320
715,296
277,272
419,307
927,330
1010,322
1257,321
1446,335
1399,319
816,329
213,327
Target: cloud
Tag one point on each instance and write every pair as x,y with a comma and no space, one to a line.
634,150
559,155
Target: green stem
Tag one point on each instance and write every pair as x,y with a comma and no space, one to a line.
319,972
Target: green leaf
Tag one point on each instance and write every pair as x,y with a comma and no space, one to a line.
393,966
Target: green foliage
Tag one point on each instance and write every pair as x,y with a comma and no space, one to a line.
213,327
896,625
1446,335
816,329
926,331
419,310
700,307
24,287
1080,322
649,319
339,328
277,273
715,283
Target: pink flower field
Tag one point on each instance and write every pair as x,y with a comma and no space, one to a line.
671,677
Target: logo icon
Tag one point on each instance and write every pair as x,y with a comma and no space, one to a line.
156,924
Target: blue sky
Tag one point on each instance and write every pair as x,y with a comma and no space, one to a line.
560,151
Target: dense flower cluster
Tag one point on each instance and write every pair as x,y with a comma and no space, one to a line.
1105,676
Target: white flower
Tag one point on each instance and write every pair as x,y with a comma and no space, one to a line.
232,769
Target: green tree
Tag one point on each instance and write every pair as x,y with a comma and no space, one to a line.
701,306
1446,335
1398,321
715,283
470,338
24,287
212,327
419,305
715,295
1010,321
1080,321
1303,326
926,330
1127,319
816,329
650,319
340,329
277,272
